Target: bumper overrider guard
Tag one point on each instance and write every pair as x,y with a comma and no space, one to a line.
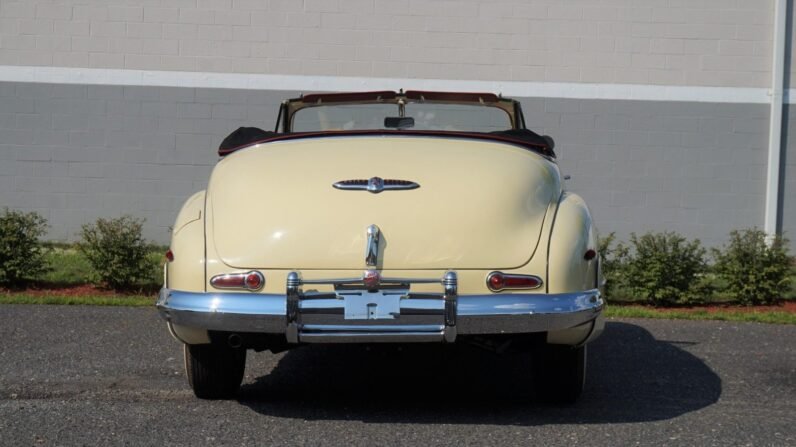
356,312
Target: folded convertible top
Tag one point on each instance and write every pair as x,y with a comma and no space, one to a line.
248,136
242,137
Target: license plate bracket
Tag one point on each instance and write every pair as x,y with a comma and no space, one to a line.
366,305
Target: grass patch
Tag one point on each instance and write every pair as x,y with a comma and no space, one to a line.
67,266
81,300
749,316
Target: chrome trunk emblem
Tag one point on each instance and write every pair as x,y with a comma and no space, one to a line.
375,185
372,247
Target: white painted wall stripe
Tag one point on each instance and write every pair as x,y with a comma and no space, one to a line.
638,92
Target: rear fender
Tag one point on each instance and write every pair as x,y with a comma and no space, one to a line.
573,234
186,271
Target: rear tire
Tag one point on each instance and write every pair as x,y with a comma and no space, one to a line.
214,371
560,373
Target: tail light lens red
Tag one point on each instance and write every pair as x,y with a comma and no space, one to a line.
590,254
497,281
254,280
249,281
169,255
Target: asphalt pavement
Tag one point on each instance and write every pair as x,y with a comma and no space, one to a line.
73,375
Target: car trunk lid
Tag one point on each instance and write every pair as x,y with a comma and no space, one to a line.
478,204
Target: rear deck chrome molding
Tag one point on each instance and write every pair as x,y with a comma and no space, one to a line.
375,185
320,317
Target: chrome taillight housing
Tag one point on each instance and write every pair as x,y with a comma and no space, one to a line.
498,281
249,281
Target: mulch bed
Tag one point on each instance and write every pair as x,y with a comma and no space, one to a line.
74,290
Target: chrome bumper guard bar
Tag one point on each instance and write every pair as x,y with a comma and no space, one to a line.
389,313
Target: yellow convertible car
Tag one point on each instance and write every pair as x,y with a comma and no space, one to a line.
385,217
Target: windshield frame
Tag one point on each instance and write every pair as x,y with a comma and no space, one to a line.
290,107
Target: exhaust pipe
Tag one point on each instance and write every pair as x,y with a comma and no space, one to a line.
234,341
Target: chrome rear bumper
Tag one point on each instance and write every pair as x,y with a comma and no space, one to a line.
314,317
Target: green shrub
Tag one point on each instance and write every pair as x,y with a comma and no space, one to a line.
666,269
156,259
755,272
68,266
21,255
117,252
613,262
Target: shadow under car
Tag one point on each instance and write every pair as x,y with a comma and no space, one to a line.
631,377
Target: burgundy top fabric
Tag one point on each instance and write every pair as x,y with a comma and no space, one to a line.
249,136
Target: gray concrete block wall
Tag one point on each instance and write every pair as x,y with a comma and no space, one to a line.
695,168
75,153
678,42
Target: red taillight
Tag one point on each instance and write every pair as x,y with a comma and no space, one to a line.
521,282
249,280
590,254
497,281
169,255
228,281
254,280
